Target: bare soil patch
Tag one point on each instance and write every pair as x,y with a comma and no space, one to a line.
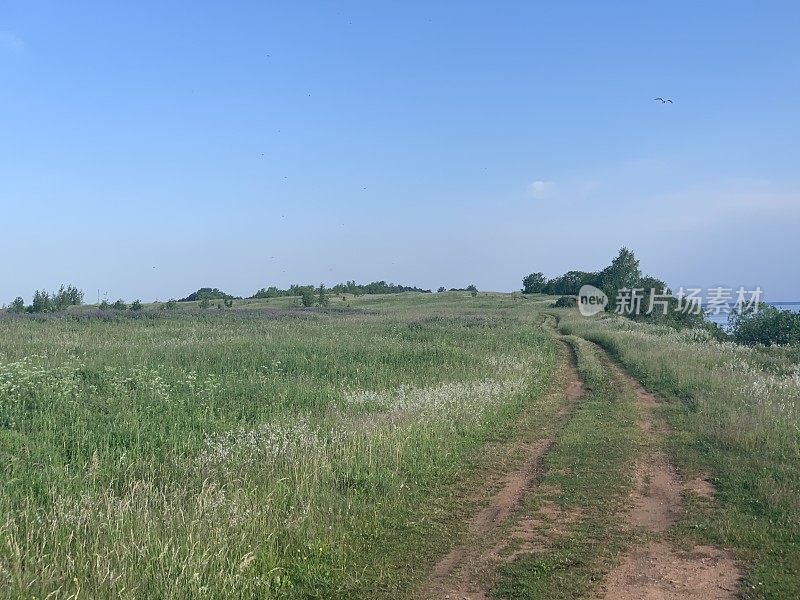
700,486
456,575
658,571
657,497
461,573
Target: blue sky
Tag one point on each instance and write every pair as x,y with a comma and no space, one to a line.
150,148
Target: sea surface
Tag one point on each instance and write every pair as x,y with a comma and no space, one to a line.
722,318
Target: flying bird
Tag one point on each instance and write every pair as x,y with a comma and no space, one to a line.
664,101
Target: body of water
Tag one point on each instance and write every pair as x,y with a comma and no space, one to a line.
722,318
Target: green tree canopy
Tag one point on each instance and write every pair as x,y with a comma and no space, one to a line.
534,283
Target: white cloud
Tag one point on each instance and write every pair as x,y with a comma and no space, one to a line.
540,189
10,41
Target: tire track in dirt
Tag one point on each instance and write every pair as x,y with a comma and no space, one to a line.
657,570
459,574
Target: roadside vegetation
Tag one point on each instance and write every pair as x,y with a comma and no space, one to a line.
767,327
735,415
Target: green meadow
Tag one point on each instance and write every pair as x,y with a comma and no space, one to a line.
223,454
268,451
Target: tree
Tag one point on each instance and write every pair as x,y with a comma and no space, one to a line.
322,297
441,289
768,326
534,283
350,287
657,296
270,292
41,302
67,296
570,283
17,306
206,293
623,272
307,297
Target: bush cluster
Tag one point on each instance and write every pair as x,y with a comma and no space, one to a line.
43,301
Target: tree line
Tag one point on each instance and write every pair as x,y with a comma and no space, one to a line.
44,301
763,325
349,287
623,273
69,295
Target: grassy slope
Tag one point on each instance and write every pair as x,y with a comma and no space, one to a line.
213,455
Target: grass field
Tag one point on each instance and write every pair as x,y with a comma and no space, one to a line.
267,451
229,454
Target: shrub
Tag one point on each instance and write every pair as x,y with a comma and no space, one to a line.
44,302
104,305
170,304
67,296
270,292
41,302
350,287
119,305
206,293
769,326
205,303
307,297
322,297
17,306
565,302
570,282
136,305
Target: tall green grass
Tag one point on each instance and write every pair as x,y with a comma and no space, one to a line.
735,414
226,455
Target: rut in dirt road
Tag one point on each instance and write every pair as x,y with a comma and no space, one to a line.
657,570
460,574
